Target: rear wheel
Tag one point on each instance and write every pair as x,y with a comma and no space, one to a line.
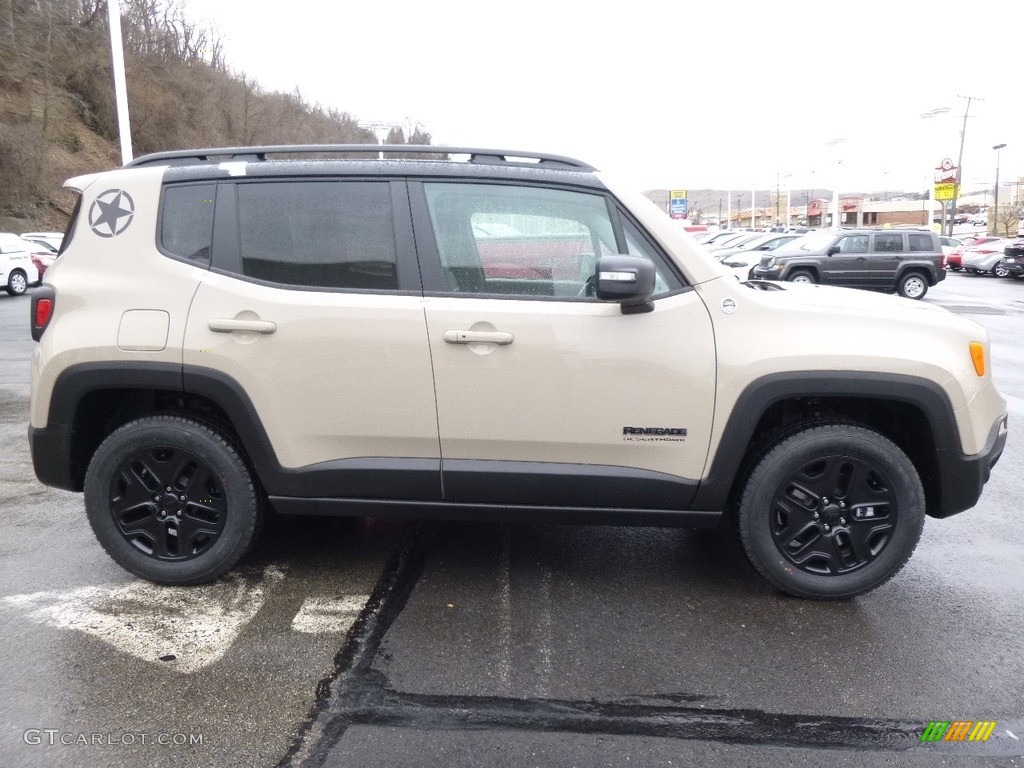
832,511
171,500
1000,270
17,283
913,285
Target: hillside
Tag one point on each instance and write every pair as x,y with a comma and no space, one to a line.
57,116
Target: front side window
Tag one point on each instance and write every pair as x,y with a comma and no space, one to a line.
888,243
520,241
853,244
318,234
186,221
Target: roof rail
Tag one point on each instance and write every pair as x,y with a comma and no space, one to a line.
259,154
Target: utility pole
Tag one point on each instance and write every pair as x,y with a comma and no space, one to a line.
995,218
778,191
959,160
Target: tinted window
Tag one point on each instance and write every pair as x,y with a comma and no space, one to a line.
921,242
636,245
518,241
528,241
888,243
322,234
186,223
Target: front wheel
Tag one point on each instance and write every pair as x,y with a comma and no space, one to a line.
913,285
802,276
171,500
1000,270
830,512
17,283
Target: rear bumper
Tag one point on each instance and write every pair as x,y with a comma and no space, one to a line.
51,452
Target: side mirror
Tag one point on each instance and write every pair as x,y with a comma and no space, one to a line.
833,250
628,280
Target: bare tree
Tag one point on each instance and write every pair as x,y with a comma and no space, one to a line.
1007,220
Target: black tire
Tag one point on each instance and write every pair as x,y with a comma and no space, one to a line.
17,283
912,285
954,267
841,545
802,276
1000,270
172,500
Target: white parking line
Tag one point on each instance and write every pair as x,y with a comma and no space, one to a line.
328,614
181,628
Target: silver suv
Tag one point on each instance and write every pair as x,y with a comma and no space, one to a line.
905,261
508,336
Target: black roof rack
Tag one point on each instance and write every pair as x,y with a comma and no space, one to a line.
259,154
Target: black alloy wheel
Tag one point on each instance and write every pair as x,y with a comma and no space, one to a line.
831,511
172,500
167,503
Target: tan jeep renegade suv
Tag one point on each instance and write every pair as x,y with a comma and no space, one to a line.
507,336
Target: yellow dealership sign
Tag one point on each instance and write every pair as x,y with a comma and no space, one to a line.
945,191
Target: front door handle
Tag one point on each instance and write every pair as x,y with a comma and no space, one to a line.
227,325
473,337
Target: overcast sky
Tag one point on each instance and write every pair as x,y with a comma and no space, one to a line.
670,94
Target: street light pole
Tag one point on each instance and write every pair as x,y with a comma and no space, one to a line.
931,180
835,182
995,218
124,131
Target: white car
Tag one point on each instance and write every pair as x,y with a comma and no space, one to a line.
741,262
986,258
763,242
52,238
17,272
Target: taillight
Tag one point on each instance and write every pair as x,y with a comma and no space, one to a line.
43,300
44,308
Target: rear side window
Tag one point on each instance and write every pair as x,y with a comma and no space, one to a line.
186,221
890,243
70,231
319,234
921,242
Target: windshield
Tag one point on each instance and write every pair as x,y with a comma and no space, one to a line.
819,241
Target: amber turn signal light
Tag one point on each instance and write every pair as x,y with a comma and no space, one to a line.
978,357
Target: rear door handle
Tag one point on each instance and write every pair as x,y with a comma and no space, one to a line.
473,337
227,325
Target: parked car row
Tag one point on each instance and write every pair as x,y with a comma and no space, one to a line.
982,255
24,258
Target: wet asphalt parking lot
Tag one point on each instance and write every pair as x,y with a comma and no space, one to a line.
381,643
